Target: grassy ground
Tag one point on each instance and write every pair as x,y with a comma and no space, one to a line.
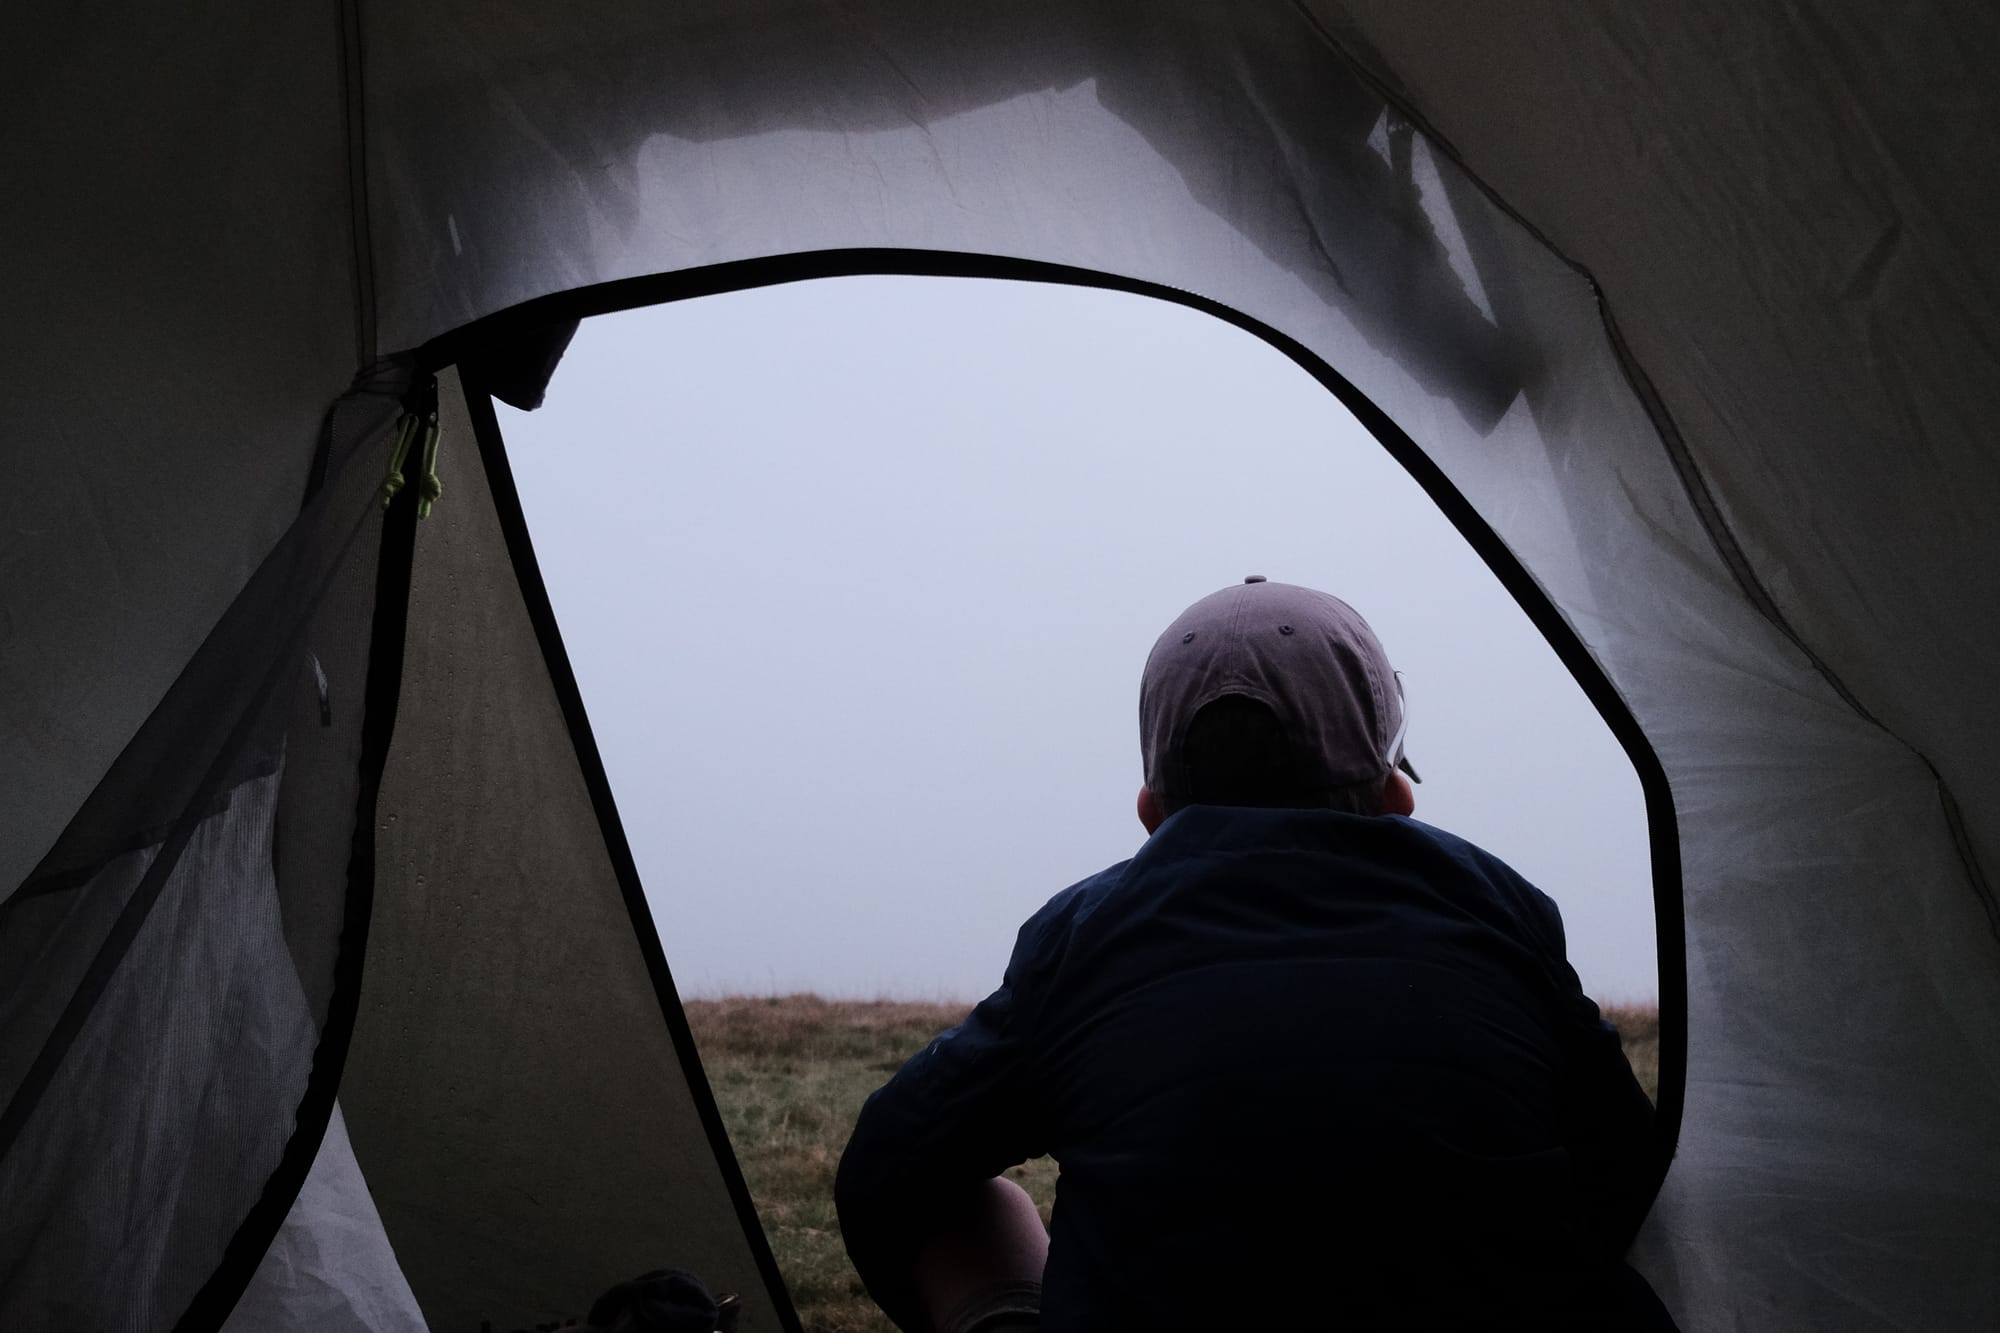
790,1073
1639,1026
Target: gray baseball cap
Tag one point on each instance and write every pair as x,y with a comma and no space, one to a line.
1307,656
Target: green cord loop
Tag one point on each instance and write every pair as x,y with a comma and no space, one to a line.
406,432
429,488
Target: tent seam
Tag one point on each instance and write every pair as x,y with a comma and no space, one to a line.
360,235
1701,497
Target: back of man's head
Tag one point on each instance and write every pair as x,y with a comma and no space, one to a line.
1267,694
1236,752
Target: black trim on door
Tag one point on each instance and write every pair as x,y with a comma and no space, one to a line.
541,613
464,344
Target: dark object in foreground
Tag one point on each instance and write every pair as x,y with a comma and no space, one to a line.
666,1300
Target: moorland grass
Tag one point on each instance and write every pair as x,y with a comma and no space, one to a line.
790,1073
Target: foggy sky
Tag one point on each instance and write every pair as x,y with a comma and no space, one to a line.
858,577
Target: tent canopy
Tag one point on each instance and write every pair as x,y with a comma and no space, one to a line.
1682,310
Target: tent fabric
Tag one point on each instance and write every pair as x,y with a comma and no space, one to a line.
180,310
1687,302
1236,154
330,1269
171,972
512,1092
103,1176
1834,388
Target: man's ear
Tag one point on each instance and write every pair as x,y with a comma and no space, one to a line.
1398,798
1150,813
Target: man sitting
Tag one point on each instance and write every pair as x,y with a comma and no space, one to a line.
1304,1061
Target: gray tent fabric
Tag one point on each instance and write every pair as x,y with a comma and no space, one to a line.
180,311
106,1222
1801,271
1689,303
170,974
330,1269
512,1092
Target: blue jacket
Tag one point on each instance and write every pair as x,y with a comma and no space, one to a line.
1299,1068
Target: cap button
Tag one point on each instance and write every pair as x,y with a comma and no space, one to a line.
1253,578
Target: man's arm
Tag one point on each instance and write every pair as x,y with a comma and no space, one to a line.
920,1210
1608,1128
1607,1119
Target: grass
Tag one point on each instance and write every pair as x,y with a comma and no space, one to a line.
1639,1027
790,1074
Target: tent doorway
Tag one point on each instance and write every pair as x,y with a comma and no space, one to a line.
857,575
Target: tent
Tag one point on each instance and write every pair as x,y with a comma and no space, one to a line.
1684,312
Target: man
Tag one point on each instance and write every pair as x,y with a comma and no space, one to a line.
1304,1061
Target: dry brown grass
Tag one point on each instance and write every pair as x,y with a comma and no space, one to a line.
792,1027
790,1073
1639,1027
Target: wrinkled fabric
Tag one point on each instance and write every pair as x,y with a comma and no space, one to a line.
330,1268
1788,343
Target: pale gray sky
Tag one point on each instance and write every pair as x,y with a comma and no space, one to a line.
858,576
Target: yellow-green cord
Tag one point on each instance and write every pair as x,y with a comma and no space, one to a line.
406,431
429,489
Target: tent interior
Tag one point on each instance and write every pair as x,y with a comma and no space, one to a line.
328,993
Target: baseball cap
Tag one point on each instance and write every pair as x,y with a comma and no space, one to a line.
1306,655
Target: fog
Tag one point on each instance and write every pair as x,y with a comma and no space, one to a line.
858,576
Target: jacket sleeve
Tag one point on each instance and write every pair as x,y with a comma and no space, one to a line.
1607,1119
958,1113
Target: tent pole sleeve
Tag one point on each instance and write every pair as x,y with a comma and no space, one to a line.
355,108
